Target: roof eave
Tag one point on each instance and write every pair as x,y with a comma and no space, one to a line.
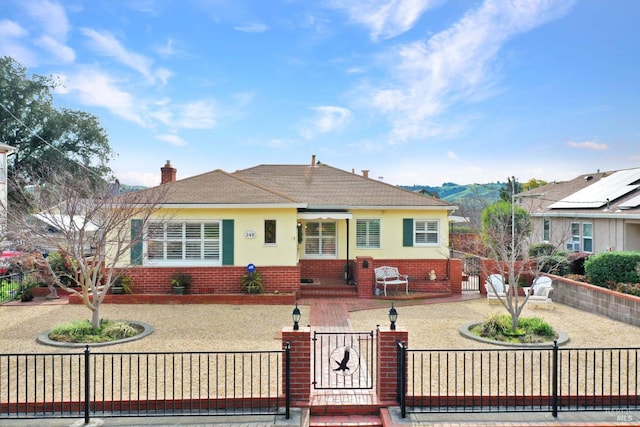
232,205
601,215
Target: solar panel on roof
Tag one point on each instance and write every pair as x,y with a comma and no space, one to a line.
631,203
599,193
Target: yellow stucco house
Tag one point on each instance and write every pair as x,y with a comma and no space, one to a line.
295,223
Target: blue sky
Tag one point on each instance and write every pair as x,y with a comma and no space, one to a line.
416,91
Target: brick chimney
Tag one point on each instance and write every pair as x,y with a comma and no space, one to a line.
365,173
168,173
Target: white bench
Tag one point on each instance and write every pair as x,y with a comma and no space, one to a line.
390,276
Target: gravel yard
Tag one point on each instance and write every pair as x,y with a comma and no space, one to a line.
256,327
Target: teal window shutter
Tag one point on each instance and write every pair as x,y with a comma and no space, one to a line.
227,242
407,231
136,242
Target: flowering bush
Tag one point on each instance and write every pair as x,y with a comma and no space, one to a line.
64,266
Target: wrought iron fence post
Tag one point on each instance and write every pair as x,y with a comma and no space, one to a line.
287,397
402,378
87,379
554,384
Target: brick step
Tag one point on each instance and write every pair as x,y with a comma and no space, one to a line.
334,410
328,291
345,420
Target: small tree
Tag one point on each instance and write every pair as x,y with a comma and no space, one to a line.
91,223
505,232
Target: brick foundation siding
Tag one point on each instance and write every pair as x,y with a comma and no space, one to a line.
327,268
213,280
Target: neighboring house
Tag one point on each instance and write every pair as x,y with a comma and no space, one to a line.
5,150
294,223
592,213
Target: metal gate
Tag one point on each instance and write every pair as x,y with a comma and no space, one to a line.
343,360
471,273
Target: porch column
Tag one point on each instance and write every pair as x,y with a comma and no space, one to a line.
387,381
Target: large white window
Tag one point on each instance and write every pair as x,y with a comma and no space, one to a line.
184,241
320,239
426,232
368,233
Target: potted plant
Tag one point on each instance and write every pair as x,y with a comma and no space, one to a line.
180,281
252,282
122,285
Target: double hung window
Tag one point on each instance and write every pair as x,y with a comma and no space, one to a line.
320,239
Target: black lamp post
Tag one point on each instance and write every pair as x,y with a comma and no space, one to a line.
393,316
295,314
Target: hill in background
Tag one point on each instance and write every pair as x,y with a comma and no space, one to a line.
453,193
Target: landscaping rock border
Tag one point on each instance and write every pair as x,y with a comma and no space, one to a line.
147,329
563,338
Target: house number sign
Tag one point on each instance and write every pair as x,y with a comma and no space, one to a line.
249,234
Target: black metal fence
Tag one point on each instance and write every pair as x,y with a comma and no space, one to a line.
524,379
13,283
144,384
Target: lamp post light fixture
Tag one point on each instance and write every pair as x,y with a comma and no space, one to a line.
393,316
295,315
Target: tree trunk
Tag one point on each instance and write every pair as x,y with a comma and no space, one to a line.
95,317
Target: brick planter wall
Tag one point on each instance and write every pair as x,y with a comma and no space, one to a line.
594,299
448,275
213,280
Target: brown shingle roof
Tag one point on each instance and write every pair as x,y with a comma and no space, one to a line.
220,187
321,187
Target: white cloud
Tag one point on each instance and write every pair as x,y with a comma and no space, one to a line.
385,19
51,16
96,88
328,119
172,139
452,156
200,114
146,179
108,45
589,145
12,43
453,66
252,28
59,50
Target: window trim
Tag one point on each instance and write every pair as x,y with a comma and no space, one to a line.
426,232
368,222
184,261
546,230
319,255
275,232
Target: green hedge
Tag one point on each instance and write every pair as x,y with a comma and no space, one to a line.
613,267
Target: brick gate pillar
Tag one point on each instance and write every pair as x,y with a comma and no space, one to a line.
300,362
387,383
364,276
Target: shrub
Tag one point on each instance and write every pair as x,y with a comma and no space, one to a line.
541,249
615,267
554,264
252,282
